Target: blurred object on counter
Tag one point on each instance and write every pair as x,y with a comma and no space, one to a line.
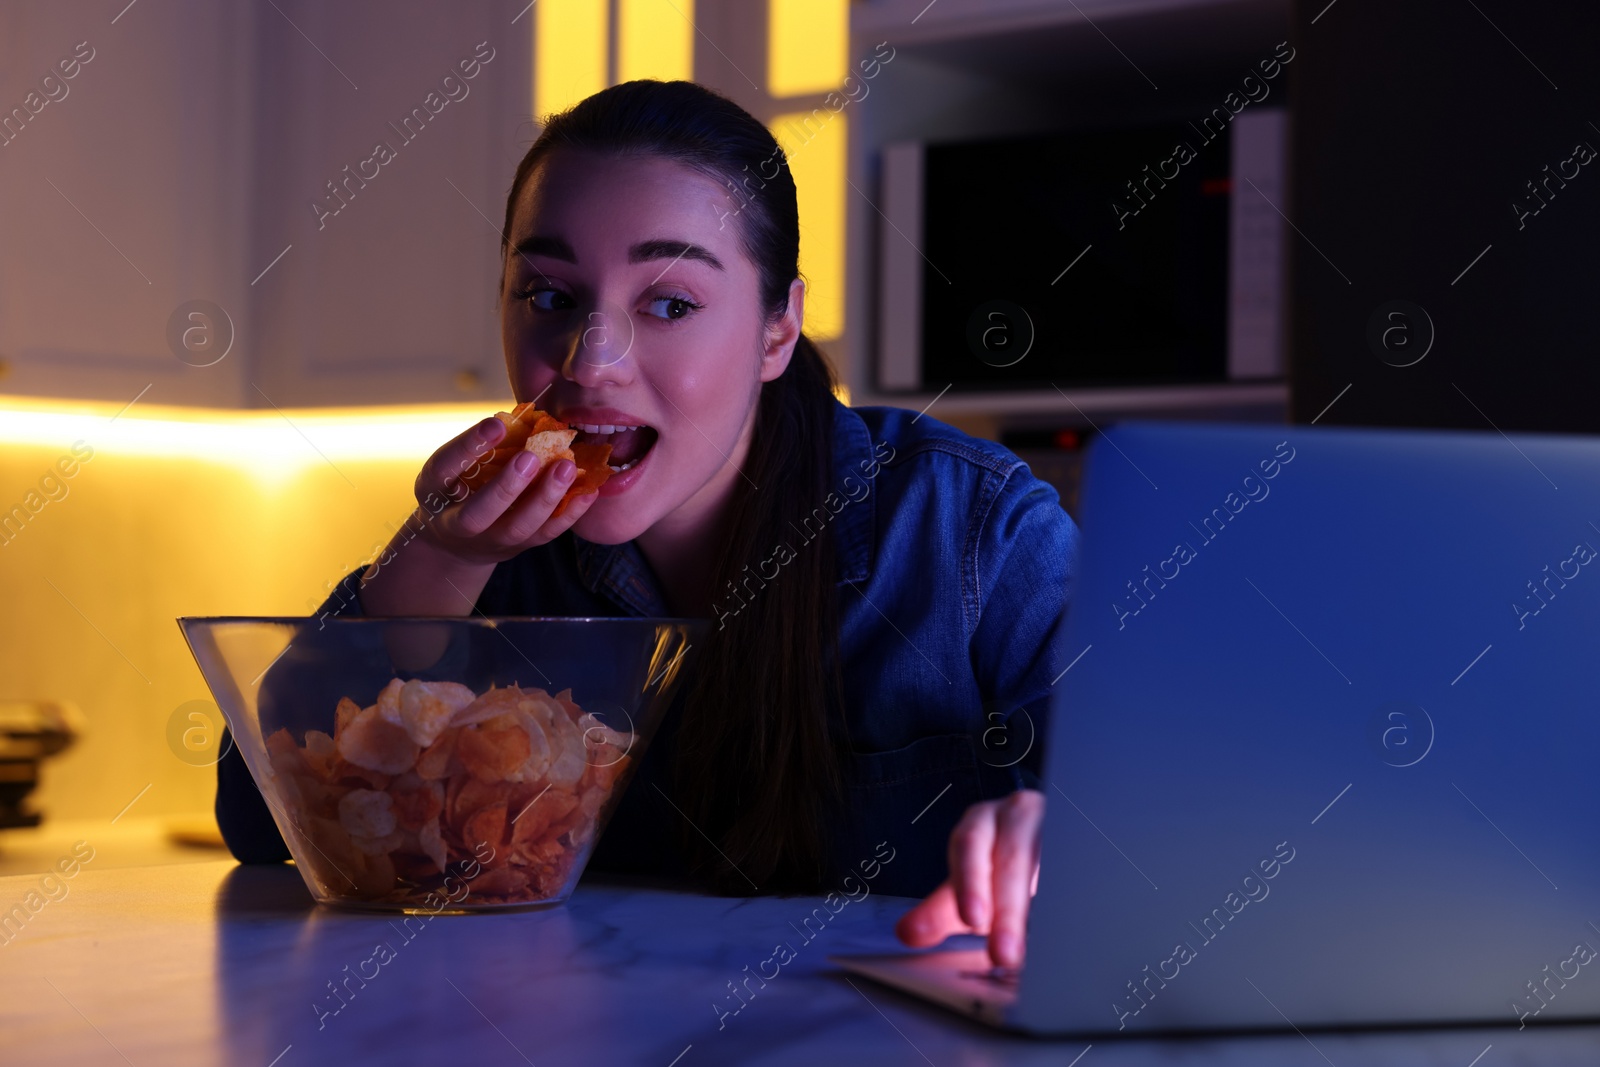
194,831
29,732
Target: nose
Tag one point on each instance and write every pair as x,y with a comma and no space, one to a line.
600,351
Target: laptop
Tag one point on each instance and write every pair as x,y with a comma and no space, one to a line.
1325,751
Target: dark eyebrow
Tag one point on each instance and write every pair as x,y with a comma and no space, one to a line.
643,252
554,247
664,248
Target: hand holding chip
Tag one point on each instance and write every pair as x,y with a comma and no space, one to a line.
510,483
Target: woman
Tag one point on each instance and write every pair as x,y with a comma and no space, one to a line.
885,588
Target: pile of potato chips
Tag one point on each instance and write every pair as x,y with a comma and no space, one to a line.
434,775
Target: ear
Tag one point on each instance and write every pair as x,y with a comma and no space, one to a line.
780,337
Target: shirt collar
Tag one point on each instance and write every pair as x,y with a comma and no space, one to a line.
621,572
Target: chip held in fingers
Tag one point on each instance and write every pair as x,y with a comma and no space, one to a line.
530,430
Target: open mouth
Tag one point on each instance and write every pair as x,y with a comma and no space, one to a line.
629,444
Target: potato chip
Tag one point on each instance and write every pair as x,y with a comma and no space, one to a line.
492,703
388,704
373,873
353,776
487,826
413,866
321,751
432,843
492,751
378,846
367,813
342,715
331,845
501,882
281,741
534,823
533,768
593,467
568,755
551,444
436,760
375,742
426,708
519,422
466,794
416,802
593,472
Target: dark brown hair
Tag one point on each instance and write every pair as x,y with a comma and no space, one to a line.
757,766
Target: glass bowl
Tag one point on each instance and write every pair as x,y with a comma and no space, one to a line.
431,764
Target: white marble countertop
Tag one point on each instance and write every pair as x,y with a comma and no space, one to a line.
211,963
131,842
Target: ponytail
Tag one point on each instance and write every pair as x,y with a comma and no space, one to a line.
756,766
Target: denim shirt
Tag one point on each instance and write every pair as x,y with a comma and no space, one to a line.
954,570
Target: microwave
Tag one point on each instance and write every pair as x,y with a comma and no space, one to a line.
1149,254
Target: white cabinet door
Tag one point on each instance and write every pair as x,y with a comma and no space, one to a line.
384,155
183,162
124,194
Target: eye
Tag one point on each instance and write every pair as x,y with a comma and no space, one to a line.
545,299
677,307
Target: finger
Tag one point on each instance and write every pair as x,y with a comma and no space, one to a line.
530,515
932,920
484,507
461,455
1016,854
971,856
577,507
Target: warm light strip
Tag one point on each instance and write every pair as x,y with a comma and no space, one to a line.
569,61
807,42
255,439
655,39
815,143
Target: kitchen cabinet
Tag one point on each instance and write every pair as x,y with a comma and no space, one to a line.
383,175
184,163
126,191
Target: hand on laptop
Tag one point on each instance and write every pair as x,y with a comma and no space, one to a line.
994,872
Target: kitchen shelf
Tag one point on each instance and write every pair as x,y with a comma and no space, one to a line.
978,69
1105,401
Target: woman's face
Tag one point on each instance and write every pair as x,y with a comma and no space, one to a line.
629,311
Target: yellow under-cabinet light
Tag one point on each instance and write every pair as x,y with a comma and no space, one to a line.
267,443
814,143
807,43
655,39
569,61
